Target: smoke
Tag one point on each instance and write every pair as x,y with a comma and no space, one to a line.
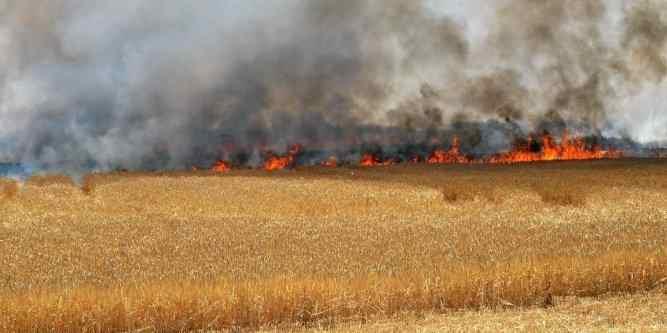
645,38
147,84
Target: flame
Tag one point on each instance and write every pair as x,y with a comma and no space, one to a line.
568,149
370,160
547,149
451,156
222,166
274,162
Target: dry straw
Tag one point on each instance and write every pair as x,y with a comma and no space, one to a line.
173,252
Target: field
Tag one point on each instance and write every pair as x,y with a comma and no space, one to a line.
406,247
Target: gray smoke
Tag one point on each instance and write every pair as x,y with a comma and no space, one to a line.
645,38
140,84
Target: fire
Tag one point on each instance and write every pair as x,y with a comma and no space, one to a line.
222,166
567,149
546,148
451,156
370,160
274,162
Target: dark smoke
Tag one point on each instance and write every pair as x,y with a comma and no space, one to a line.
500,94
152,85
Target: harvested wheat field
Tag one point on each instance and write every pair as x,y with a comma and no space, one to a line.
405,247
628,313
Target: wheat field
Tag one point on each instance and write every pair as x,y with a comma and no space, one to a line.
327,249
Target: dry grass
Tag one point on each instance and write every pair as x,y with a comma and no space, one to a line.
9,189
179,252
183,306
453,195
50,179
88,184
554,193
627,313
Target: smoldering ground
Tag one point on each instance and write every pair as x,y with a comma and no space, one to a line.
151,84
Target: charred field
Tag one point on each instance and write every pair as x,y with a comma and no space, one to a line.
319,248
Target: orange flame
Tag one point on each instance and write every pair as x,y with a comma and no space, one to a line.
277,163
222,166
451,156
274,162
568,149
370,160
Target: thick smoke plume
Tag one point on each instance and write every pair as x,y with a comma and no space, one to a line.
149,84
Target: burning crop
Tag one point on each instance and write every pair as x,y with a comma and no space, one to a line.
549,150
371,160
546,148
451,156
418,119
274,162
222,166
338,75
